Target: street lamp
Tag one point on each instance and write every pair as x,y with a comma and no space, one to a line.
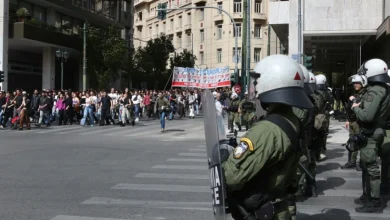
63,56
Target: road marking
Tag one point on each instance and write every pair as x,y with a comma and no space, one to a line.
193,154
180,167
162,187
111,129
71,217
51,130
173,176
199,150
148,203
187,160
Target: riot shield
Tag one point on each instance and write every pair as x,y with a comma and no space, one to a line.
252,89
214,157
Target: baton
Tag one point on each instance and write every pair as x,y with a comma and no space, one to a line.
306,171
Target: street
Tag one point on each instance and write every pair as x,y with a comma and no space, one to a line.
139,173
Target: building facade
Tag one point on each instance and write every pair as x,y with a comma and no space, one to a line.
208,33
340,35
28,43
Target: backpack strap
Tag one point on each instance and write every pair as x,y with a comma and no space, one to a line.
285,125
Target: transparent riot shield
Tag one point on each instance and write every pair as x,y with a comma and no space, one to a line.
251,88
214,158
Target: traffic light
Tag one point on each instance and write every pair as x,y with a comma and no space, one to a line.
308,62
163,13
1,76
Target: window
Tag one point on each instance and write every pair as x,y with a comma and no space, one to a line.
238,52
178,41
237,32
201,15
219,5
189,39
219,55
139,16
171,24
39,13
180,22
258,6
257,55
219,31
189,18
201,55
237,6
202,36
258,32
157,30
150,32
76,26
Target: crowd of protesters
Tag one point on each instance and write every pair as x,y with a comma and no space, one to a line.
90,107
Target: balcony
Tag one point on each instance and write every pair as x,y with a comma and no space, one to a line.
138,23
237,16
187,27
259,16
218,17
199,1
47,34
179,29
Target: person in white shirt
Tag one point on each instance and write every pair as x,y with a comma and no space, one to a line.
87,110
221,125
114,100
137,99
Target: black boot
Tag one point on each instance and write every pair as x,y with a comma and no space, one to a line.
363,199
122,124
349,165
373,206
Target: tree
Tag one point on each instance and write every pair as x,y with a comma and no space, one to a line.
150,62
184,59
106,55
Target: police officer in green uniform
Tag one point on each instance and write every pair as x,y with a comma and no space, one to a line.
262,167
371,114
385,158
248,110
359,83
305,117
326,108
234,116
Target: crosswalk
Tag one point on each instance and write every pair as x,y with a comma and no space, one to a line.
179,189
175,130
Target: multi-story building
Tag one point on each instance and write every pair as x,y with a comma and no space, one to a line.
209,33
340,35
28,44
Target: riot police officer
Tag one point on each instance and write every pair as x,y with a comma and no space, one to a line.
359,83
322,131
248,110
303,181
234,116
258,172
385,158
371,114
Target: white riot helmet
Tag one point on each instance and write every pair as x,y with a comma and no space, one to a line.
306,80
281,81
359,79
375,70
313,81
321,81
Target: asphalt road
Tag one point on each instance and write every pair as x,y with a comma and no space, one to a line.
138,173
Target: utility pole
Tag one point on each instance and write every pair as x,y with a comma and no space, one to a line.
248,44
300,31
85,57
243,47
269,40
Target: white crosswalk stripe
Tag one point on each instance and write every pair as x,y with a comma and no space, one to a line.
186,174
